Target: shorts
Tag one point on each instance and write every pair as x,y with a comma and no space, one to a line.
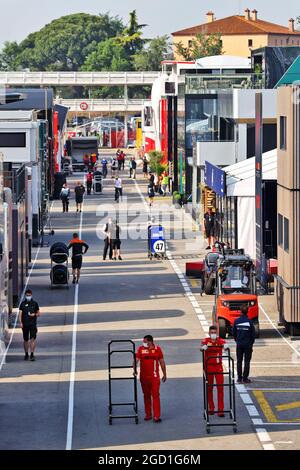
209,231
79,200
29,332
77,262
116,244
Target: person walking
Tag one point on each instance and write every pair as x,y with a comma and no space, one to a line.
133,166
151,193
108,234
209,228
119,159
244,335
114,167
116,242
89,182
165,183
118,189
64,196
145,167
122,157
218,224
213,364
79,193
29,311
130,167
104,167
151,359
79,248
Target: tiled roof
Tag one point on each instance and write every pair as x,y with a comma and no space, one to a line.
237,25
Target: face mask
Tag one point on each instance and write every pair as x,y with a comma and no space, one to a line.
28,298
145,345
213,336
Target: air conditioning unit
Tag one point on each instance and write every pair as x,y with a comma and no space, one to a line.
170,88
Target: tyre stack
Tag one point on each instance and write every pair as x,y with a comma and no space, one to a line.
59,255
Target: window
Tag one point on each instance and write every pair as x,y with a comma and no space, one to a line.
286,230
280,230
283,125
250,42
12,139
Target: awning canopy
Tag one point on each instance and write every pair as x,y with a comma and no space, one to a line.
240,177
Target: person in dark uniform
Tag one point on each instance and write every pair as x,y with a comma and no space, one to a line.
244,336
116,242
29,310
209,228
79,248
79,193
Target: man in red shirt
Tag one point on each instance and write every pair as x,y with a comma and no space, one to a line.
213,348
151,358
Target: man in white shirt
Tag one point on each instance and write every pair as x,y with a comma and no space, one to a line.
118,188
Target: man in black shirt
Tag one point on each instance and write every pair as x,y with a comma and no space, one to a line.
79,248
79,193
28,312
209,228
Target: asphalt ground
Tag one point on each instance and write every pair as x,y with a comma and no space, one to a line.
61,400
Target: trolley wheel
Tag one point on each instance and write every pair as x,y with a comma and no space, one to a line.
208,429
235,430
110,421
222,328
256,326
136,420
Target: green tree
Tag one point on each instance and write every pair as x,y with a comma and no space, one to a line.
153,54
200,46
63,44
108,56
131,37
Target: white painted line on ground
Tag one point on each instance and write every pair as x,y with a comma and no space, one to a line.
252,410
201,317
257,422
246,398
73,360
199,310
241,388
269,447
195,304
263,435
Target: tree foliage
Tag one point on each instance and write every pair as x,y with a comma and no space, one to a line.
63,44
200,46
153,54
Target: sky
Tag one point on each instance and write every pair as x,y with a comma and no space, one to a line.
18,18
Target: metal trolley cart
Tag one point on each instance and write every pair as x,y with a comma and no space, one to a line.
229,383
98,183
129,348
59,274
156,242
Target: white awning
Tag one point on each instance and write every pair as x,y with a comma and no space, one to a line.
240,177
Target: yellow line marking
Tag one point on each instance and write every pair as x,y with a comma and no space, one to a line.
288,406
194,283
265,406
267,409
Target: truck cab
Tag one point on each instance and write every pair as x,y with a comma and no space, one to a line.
235,286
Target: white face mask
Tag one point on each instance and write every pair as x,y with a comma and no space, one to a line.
213,336
145,345
28,298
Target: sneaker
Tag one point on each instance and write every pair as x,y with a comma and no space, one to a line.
32,358
26,357
208,248
221,415
247,381
147,418
114,259
239,381
157,420
211,412
120,259
74,280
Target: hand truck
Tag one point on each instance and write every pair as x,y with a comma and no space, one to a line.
229,384
130,349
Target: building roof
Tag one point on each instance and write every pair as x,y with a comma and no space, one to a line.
237,24
240,177
224,62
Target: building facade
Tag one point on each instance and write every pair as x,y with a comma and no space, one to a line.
288,280
241,34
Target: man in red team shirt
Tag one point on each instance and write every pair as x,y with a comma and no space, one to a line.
213,347
151,357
